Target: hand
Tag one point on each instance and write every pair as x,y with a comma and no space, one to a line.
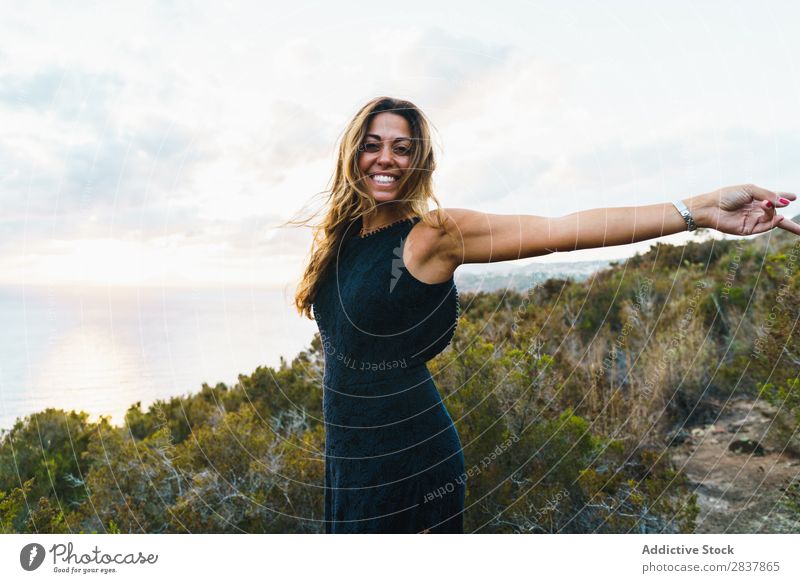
742,210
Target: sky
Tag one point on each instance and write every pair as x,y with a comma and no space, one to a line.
163,143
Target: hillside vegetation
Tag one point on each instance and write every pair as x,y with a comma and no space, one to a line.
567,399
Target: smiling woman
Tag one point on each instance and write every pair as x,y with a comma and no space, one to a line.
389,439
385,155
380,285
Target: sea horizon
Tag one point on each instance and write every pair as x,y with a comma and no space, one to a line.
102,349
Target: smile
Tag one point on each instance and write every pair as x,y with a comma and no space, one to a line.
383,178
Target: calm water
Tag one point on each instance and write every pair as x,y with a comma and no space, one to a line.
102,350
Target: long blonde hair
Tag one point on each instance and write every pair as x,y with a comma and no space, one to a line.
348,201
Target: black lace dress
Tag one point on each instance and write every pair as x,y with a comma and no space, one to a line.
393,459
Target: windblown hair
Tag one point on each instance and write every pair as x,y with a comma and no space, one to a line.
349,201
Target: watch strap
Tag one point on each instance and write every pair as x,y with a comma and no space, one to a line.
687,216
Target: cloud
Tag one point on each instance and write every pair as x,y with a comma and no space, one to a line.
669,166
444,67
294,135
199,130
73,96
69,154
112,169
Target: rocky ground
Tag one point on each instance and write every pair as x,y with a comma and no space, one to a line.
740,467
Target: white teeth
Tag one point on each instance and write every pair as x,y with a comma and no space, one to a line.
383,178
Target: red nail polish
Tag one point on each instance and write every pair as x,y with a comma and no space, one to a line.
783,201
769,203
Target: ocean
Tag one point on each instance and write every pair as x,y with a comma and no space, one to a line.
101,350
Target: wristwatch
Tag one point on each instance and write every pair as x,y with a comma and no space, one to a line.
687,216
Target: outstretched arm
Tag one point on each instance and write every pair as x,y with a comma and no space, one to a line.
482,238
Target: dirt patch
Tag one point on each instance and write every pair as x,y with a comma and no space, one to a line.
739,470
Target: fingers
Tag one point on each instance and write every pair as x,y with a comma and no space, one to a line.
768,202
774,198
758,193
783,199
764,224
788,225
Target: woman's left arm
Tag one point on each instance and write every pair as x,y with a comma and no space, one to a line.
736,210
482,238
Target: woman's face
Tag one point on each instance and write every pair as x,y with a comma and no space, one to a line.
385,155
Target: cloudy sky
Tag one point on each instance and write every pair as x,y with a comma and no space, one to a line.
160,143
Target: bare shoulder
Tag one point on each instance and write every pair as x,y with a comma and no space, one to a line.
457,221
446,229
439,231
448,221
455,236
432,250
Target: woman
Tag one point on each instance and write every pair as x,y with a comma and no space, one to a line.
380,285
